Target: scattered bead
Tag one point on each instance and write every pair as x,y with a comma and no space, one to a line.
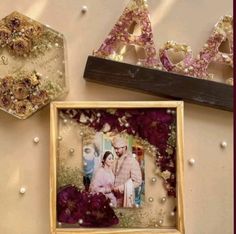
81,221
81,133
160,221
127,125
59,223
150,199
168,111
154,179
22,190
191,161
223,144
65,121
84,9
36,140
59,138
163,199
139,64
71,151
172,213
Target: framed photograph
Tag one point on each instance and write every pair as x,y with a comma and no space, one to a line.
116,167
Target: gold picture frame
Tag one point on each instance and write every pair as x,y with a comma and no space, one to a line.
56,107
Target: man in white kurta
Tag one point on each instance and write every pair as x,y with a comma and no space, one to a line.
126,169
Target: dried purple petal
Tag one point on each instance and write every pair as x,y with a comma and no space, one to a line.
93,209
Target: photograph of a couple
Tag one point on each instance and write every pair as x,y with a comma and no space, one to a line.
115,167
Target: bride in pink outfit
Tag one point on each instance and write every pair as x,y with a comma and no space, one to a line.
103,179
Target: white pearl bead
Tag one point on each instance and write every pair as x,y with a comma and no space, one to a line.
110,204
22,190
223,144
139,63
36,140
84,9
81,133
59,138
163,199
71,151
168,111
134,155
150,199
160,221
127,125
59,223
172,213
65,121
191,161
81,221
154,179
137,205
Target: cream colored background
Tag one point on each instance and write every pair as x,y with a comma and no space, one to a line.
208,185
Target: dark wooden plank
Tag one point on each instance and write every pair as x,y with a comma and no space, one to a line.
164,84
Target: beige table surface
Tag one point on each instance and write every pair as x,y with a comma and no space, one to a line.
208,185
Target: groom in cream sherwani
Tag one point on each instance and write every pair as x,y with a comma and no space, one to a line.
127,173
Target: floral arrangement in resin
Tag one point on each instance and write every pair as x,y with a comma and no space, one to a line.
153,132
89,210
24,93
19,34
210,52
27,46
154,129
136,15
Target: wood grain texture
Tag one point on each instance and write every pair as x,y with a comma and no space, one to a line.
180,167
57,106
164,84
53,163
